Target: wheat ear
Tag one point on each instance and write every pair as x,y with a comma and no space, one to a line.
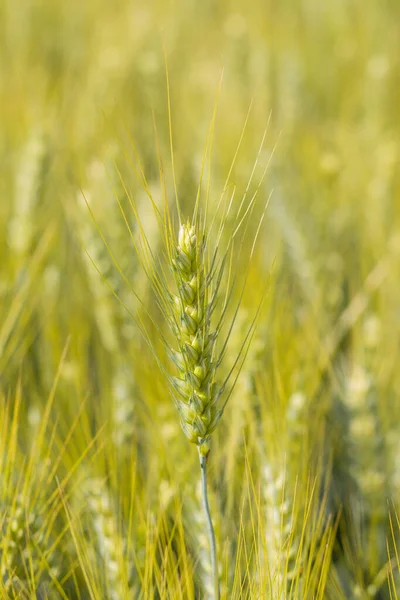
198,391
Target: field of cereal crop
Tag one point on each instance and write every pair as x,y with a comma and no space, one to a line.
199,259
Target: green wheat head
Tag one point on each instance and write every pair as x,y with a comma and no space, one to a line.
198,391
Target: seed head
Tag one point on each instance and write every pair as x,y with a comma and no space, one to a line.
191,322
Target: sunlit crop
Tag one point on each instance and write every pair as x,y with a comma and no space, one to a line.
199,300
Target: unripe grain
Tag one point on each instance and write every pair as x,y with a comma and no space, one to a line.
191,322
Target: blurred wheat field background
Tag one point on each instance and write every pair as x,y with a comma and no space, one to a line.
100,490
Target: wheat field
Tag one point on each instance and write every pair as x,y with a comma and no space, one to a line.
140,141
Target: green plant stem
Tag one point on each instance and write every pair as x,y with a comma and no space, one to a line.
210,528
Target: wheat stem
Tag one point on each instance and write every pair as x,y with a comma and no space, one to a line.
210,528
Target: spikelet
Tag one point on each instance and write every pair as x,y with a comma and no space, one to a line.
197,391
